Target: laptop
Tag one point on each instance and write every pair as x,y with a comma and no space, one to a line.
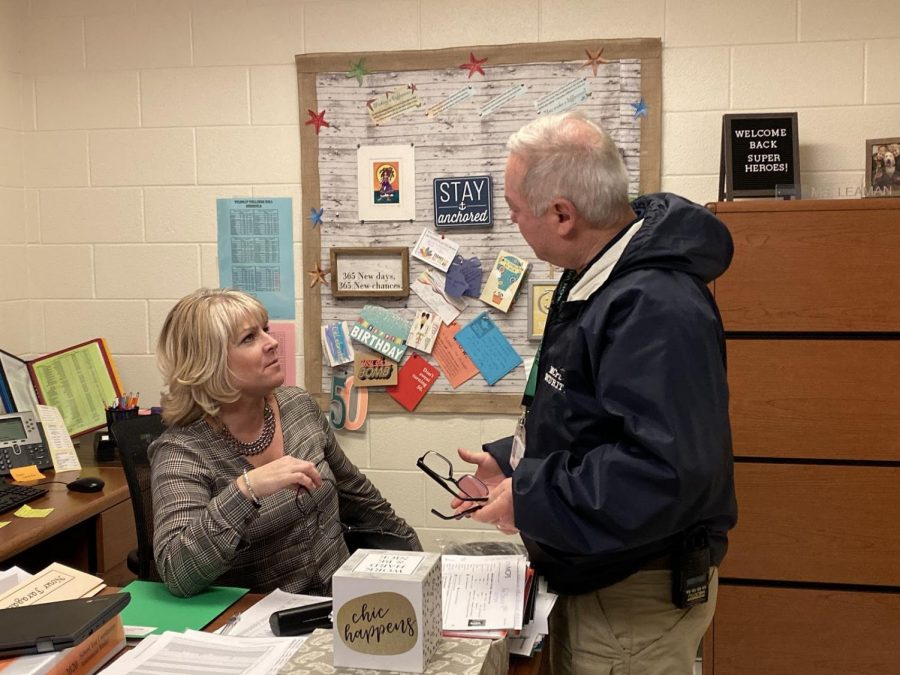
54,626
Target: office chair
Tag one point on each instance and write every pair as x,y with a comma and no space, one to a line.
133,436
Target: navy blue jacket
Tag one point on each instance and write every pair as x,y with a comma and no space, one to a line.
628,442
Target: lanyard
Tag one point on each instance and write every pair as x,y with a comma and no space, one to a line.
565,284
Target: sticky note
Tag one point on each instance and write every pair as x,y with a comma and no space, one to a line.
26,511
4,523
22,474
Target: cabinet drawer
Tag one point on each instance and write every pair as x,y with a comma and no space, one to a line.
782,631
827,524
815,266
815,399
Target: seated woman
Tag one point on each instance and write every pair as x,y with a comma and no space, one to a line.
250,486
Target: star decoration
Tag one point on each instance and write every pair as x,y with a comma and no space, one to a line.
370,102
411,87
358,70
594,60
317,275
315,215
318,120
473,65
640,108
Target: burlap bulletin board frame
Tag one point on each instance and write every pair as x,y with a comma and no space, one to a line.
624,78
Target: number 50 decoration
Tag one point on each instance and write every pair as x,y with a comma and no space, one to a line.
349,404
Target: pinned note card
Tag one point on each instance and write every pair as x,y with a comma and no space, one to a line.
456,366
488,348
413,381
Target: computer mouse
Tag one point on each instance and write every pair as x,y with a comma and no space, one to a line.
86,484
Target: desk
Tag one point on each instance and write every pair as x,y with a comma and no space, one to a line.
518,665
90,531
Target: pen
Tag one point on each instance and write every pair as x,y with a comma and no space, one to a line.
232,622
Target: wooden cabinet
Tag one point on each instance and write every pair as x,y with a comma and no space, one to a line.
811,307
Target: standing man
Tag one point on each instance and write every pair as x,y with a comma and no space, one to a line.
620,475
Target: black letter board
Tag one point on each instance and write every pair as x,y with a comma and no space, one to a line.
759,156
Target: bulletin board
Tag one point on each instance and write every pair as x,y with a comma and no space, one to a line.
455,108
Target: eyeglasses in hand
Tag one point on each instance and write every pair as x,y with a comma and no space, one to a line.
468,487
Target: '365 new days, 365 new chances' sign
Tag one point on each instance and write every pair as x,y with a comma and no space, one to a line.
463,202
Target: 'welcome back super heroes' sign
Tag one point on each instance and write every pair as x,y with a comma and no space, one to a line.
463,202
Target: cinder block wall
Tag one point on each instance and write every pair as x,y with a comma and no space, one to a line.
121,121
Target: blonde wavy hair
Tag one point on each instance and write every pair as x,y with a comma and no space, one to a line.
192,352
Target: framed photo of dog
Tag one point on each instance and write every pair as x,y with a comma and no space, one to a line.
882,177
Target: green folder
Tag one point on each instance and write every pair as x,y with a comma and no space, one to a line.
153,606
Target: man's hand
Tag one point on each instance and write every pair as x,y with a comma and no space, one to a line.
278,474
499,509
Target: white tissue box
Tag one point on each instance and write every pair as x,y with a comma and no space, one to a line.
387,610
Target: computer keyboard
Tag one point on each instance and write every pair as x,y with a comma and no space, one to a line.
13,496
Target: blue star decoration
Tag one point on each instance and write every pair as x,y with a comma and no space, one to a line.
315,215
358,70
640,108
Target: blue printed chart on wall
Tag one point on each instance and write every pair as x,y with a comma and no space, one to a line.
255,251
452,111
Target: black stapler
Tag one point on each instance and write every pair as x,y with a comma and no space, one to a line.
301,620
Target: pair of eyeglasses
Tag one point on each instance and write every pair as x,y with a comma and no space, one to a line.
329,527
468,487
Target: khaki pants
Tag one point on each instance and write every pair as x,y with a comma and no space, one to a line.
629,628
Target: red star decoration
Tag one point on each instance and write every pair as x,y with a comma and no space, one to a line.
370,102
473,65
594,60
317,275
318,120
411,87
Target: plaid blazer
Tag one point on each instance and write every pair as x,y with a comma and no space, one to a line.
206,532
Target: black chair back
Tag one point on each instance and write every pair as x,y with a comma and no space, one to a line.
133,436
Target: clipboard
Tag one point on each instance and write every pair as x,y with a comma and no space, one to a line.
54,626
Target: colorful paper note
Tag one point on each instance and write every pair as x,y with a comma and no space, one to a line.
413,382
26,511
504,281
456,366
4,523
488,348
429,286
23,474
435,250
373,370
336,344
424,331
382,330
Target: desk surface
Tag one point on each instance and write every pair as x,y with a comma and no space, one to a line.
518,665
70,508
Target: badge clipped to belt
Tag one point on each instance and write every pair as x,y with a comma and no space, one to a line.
690,571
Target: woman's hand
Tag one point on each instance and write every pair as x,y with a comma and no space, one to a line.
278,474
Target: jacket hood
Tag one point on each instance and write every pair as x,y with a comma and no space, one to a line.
678,235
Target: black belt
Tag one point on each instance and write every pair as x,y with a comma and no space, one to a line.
662,562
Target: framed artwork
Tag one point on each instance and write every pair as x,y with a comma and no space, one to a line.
882,178
386,180
370,272
540,294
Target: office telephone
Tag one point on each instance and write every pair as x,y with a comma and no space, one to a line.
22,443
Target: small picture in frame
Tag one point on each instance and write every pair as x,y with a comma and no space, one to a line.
882,177
540,294
370,272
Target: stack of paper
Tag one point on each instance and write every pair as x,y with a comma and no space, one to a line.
493,596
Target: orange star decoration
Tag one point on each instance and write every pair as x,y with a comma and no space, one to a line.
317,119
594,60
317,275
473,65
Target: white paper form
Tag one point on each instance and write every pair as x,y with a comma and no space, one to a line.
483,592
62,452
255,621
181,653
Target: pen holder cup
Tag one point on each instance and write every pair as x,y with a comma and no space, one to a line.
116,415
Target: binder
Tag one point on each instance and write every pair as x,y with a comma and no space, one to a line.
81,381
